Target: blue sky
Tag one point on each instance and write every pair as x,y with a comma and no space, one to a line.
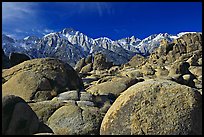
115,20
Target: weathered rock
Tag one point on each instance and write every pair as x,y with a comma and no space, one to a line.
114,87
164,48
198,84
100,62
147,69
80,64
156,107
45,109
113,69
188,80
18,118
87,68
73,120
25,84
200,61
179,68
196,70
32,78
161,71
137,60
85,96
69,95
106,88
88,59
17,58
105,79
132,73
193,41
88,80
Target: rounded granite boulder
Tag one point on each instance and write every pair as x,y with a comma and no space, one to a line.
155,107
40,79
77,118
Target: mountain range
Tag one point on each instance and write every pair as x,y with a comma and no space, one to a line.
70,46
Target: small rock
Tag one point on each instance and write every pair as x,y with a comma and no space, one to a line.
85,96
69,95
87,68
200,61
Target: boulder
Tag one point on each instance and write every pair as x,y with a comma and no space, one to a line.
18,118
87,68
114,87
155,107
188,80
40,79
137,60
161,71
72,119
164,47
196,70
100,62
106,88
44,109
132,73
198,84
69,95
85,96
147,69
200,61
88,80
80,64
114,69
179,68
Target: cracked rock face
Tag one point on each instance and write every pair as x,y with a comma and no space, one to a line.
40,79
75,119
156,107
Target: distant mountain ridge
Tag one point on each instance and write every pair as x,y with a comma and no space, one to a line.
70,46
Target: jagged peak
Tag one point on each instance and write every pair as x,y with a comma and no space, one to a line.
68,30
7,37
31,38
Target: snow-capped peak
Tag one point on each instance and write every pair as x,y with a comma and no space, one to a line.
69,31
103,39
30,38
50,34
26,38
